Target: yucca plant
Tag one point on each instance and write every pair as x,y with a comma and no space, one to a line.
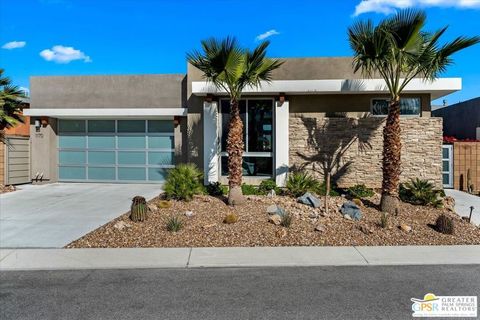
299,182
183,182
398,50
232,68
174,224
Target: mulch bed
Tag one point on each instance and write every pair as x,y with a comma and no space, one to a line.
206,228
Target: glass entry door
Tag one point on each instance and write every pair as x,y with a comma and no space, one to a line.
447,165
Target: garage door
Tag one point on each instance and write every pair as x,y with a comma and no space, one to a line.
115,150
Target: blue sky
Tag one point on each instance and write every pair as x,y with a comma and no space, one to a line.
78,37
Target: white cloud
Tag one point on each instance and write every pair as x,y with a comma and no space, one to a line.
61,54
14,45
267,34
389,6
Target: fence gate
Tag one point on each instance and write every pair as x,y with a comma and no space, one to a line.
17,160
447,165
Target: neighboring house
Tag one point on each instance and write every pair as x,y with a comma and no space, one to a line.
315,114
461,120
15,153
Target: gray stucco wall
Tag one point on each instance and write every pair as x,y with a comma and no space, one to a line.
44,156
129,91
460,120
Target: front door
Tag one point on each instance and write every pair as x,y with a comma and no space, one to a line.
447,165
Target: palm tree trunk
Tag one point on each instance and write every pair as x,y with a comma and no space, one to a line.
391,162
235,146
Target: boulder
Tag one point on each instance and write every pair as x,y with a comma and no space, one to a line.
274,209
310,200
352,210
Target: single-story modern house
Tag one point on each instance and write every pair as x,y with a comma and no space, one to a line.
461,120
316,114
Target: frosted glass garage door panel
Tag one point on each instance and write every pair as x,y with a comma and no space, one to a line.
71,126
131,126
101,157
101,126
72,173
131,142
156,142
165,126
101,142
77,142
131,174
101,173
160,158
157,174
71,157
125,157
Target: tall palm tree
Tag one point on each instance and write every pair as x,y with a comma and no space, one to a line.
398,49
10,103
232,68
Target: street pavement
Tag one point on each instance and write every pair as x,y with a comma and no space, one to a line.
346,292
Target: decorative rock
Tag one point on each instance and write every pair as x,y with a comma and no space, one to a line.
406,228
120,225
274,209
152,207
281,233
365,229
449,203
352,210
313,215
275,219
271,193
346,216
208,226
320,228
189,214
310,200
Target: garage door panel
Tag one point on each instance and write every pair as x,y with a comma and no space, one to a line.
72,157
101,157
101,173
72,173
101,142
131,157
160,142
157,174
131,142
131,174
76,141
160,158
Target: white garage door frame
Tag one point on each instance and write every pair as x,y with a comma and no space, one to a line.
147,150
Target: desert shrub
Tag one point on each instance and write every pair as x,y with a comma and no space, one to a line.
230,218
420,192
300,182
174,224
183,182
444,224
360,191
216,189
267,185
287,219
322,190
164,204
384,219
249,190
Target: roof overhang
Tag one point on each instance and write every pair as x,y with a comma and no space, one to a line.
106,112
438,88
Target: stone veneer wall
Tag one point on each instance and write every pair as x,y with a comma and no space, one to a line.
352,148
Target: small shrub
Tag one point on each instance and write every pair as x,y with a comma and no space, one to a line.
267,185
358,202
230,218
322,190
444,224
216,189
420,192
287,219
174,224
249,190
360,191
384,219
164,204
183,182
300,182
138,210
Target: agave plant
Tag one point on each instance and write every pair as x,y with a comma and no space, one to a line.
420,192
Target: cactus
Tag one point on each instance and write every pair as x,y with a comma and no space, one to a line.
138,211
445,224
384,220
230,218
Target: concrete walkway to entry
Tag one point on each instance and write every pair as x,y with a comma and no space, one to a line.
53,215
463,202
136,258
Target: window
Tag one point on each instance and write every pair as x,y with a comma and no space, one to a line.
408,107
257,118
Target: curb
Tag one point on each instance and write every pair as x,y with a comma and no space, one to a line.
235,257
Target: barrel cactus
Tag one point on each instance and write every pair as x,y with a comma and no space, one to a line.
138,211
445,224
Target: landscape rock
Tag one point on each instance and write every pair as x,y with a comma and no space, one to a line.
365,229
281,233
351,209
320,228
275,210
271,193
449,203
120,225
406,228
189,214
152,207
346,216
275,219
310,200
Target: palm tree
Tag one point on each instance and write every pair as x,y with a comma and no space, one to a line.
10,103
232,68
398,49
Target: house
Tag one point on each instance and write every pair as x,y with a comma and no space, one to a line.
316,114
461,120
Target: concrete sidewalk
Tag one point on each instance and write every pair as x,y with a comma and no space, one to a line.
463,202
135,258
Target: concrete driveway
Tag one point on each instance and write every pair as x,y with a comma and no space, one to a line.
53,215
463,202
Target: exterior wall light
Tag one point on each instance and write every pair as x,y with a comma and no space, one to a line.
37,125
